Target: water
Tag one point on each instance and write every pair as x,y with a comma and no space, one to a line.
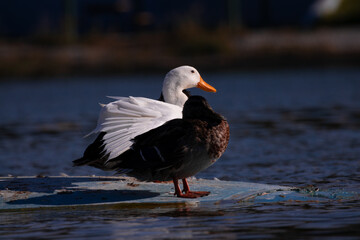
295,127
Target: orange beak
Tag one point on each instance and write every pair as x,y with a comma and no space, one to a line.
204,86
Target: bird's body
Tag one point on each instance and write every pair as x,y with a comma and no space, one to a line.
178,149
127,117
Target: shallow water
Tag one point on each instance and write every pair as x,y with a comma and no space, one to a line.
296,128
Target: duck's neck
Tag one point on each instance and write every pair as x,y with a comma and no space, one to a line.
172,92
176,97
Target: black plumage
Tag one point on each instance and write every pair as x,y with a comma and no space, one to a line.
178,149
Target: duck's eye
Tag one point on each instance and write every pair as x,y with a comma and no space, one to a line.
192,71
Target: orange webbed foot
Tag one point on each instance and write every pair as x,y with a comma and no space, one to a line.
192,194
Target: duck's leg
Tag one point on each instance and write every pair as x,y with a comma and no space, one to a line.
177,188
187,194
193,193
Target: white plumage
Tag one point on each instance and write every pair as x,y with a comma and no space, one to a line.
124,119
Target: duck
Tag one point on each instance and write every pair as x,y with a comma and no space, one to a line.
127,117
178,149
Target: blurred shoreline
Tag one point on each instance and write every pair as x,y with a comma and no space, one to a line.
219,50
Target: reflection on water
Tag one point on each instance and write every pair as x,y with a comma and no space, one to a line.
260,221
295,128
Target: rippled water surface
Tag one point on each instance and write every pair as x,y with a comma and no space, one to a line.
295,128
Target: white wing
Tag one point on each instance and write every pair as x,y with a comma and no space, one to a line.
124,119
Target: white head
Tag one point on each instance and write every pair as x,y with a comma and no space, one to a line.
181,78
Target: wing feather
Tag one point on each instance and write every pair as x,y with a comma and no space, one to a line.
128,117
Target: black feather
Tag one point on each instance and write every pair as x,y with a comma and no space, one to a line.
94,154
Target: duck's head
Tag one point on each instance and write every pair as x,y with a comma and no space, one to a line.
179,79
196,107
